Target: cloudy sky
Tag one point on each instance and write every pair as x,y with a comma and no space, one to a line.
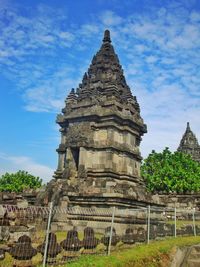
47,45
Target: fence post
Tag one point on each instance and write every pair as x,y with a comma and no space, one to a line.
175,222
111,231
47,234
193,219
148,223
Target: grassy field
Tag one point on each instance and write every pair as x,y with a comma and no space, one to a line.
156,254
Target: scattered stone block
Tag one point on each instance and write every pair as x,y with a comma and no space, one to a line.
90,242
71,245
22,252
53,248
2,254
129,237
141,235
106,238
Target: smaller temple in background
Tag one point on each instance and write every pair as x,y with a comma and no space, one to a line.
189,144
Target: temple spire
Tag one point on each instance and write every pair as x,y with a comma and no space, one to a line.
105,77
188,127
107,36
189,144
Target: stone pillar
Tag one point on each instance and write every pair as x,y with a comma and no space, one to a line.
61,157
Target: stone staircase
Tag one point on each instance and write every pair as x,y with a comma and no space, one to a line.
192,258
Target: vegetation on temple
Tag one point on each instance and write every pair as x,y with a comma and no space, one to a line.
19,181
171,172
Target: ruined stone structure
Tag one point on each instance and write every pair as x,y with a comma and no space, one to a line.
101,129
189,144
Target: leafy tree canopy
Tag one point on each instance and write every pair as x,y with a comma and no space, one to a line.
171,172
19,181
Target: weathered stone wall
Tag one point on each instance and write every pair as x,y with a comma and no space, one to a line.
179,201
107,160
27,198
110,136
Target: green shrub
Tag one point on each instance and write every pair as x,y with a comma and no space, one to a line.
171,172
18,182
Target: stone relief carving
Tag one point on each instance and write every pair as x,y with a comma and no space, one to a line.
82,173
78,135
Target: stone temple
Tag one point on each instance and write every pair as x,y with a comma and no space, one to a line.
189,144
101,128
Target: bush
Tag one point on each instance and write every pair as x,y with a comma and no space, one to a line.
171,172
19,181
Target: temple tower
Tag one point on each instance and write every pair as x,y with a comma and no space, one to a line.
189,144
101,129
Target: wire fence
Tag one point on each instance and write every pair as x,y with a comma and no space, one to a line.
51,236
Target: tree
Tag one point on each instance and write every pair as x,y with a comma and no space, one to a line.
171,172
18,182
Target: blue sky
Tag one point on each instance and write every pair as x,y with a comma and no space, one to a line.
46,46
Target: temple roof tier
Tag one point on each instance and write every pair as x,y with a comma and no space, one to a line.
104,75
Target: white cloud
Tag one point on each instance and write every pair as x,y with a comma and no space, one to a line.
195,16
42,31
160,52
109,18
166,111
89,29
151,59
49,95
67,36
45,38
16,163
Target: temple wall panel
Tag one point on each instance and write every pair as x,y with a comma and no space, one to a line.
110,136
108,160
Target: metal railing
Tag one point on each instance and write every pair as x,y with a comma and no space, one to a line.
45,236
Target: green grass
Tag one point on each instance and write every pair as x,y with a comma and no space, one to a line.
156,254
153,255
